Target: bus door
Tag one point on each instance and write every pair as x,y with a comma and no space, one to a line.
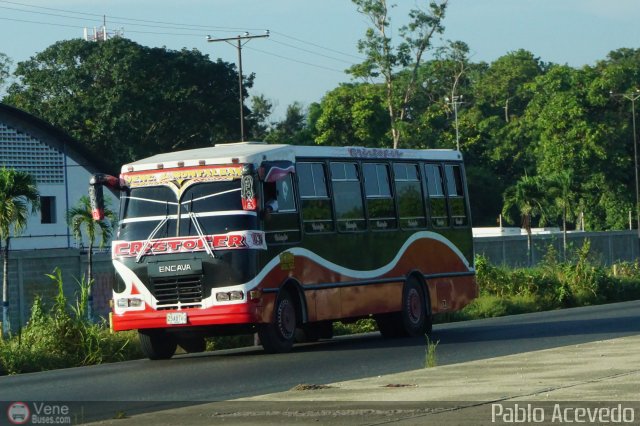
279,213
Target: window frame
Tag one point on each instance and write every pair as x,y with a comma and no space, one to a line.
419,180
359,180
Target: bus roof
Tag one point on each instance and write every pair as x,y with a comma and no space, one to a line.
256,152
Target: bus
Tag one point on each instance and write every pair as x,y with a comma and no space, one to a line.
283,240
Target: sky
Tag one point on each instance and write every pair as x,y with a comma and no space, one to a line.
312,42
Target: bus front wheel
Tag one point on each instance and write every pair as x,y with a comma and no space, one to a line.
278,335
157,344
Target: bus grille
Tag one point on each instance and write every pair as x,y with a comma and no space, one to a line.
174,291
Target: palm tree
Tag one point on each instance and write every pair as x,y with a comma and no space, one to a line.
560,190
17,191
80,219
528,196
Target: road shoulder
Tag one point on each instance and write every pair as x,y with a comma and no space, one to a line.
603,372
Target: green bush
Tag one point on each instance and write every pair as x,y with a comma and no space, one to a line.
63,336
579,281
365,325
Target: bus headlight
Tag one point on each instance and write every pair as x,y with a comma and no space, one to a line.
229,296
129,302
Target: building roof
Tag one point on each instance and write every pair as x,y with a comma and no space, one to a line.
50,135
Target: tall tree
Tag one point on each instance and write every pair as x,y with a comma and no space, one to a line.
17,191
383,59
260,111
352,114
80,220
562,195
527,196
126,101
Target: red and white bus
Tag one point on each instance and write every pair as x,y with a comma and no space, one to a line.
249,237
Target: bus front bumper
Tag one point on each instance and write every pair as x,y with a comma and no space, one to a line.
244,313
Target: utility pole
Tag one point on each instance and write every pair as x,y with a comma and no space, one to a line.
455,101
633,97
240,41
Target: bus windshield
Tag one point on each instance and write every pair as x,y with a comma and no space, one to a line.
156,212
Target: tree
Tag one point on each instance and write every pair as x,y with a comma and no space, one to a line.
293,129
5,64
17,191
260,111
352,114
527,196
383,59
80,220
126,101
562,194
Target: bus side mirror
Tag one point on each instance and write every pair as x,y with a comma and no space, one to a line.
96,199
96,195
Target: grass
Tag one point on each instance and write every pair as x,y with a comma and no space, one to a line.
431,358
61,336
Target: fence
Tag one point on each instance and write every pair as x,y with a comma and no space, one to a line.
27,279
607,248
28,268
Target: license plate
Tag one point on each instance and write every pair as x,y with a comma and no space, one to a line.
177,318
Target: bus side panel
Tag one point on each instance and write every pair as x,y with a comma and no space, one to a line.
452,294
328,304
371,299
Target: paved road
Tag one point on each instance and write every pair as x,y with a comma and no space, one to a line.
233,374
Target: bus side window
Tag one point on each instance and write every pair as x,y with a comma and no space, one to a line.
284,191
455,190
437,200
314,197
347,197
382,214
409,195
281,225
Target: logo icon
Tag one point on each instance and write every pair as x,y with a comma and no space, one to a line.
18,413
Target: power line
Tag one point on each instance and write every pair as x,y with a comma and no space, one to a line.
295,60
173,26
319,46
312,52
241,41
209,28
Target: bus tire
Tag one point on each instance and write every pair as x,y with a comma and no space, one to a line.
390,325
314,331
416,320
278,335
193,344
157,344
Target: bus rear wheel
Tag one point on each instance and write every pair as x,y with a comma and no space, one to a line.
278,335
157,344
416,318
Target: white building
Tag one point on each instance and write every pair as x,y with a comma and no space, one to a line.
61,167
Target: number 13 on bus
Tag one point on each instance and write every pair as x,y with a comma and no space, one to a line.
283,240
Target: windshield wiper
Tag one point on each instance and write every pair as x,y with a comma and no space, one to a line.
153,233
196,225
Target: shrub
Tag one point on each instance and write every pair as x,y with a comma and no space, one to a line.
62,337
